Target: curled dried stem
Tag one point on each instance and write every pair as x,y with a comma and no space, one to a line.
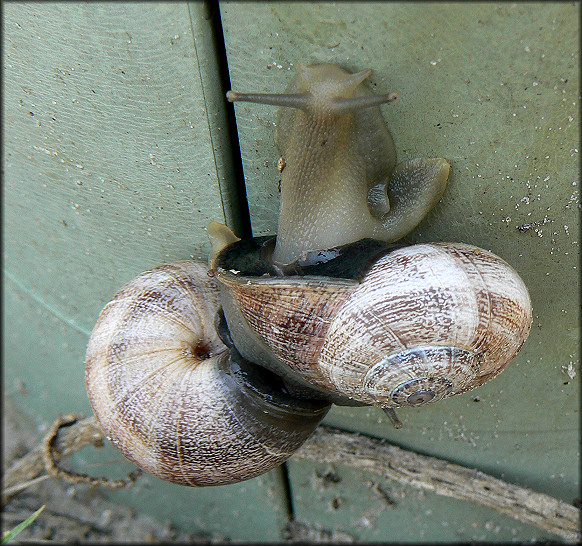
53,469
328,445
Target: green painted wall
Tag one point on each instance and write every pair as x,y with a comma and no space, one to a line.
114,161
109,170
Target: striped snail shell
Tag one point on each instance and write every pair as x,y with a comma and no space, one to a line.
174,399
210,381
405,327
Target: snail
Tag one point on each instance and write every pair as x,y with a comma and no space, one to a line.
209,375
445,317
376,324
174,399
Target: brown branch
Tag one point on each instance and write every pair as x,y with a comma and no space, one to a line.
328,445
53,469
83,433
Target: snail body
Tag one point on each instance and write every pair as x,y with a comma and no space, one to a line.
341,183
410,326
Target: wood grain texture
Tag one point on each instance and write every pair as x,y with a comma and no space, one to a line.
109,167
407,468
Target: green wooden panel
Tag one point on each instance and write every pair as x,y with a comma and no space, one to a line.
492,87
110,169
344,500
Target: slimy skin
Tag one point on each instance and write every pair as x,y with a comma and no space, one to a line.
341,183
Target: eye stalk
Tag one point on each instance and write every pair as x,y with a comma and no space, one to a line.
306,101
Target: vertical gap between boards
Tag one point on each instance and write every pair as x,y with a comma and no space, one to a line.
243,228
244,218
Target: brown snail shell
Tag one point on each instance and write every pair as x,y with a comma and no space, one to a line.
174,399
425,322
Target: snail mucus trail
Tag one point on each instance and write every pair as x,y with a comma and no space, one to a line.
210,380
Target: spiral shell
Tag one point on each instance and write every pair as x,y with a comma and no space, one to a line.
425,322
174,399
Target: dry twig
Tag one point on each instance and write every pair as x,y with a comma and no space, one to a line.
51,466
328,445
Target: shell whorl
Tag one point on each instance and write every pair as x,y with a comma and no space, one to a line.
433,319
164,388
